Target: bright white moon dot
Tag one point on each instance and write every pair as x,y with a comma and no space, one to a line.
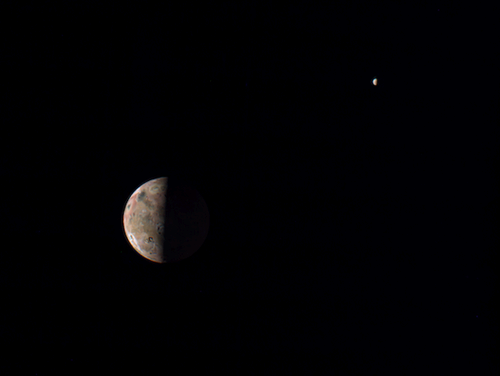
374,81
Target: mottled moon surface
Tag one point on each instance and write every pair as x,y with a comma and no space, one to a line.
165,221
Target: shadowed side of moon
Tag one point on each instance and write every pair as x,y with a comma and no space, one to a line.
165,220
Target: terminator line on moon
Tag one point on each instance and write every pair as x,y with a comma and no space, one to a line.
165,222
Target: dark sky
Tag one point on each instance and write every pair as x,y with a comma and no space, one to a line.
351,226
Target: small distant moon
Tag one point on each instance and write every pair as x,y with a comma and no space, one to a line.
375,81
165,221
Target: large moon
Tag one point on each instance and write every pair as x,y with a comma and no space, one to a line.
165,221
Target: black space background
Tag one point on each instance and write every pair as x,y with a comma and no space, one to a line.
351,226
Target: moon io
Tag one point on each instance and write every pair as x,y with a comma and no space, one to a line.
165,220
